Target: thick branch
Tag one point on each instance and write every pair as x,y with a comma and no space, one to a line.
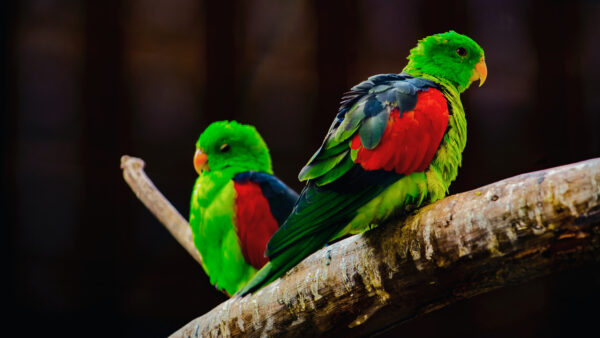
464,245
144,189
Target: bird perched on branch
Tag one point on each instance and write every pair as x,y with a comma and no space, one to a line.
394,145
237,204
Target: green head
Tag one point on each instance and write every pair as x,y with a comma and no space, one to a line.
231,145
450,57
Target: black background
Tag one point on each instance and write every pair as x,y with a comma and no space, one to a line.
86,82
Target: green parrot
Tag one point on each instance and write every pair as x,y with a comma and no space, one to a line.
237,204
395,144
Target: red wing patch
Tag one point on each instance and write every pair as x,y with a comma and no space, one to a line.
410,141
254,221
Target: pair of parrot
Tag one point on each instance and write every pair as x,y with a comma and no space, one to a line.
395,144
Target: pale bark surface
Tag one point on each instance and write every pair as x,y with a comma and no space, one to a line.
144,189
464,245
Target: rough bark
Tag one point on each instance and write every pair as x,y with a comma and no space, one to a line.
464,245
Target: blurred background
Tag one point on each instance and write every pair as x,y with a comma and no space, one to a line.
88,81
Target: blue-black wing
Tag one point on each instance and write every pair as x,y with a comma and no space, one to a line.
281,198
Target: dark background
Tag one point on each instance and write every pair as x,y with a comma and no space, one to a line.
88,81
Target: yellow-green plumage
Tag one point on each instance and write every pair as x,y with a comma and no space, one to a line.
212,219
236,203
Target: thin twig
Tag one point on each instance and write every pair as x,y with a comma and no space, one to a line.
144,189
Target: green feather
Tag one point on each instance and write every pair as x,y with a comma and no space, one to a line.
332,151
212,216
352,121
435,58
212,206
336,172
322,215
320,166
335,149
248,151
372,129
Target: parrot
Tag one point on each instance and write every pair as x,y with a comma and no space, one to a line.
395,144
236,205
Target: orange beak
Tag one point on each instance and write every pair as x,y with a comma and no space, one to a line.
480,72
200,161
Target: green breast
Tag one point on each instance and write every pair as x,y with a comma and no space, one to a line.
212,219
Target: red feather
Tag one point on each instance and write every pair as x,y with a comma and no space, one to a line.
255,222
409,142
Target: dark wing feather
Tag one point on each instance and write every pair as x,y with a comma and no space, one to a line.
338,187
319,216
364,109
281,198
332,206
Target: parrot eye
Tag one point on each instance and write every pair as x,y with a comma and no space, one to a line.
224,148
461,51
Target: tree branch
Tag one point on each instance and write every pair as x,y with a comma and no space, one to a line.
144,189
467,244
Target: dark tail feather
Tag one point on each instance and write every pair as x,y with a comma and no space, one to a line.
286,260
257,281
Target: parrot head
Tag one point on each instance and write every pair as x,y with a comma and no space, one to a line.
449,56
232,146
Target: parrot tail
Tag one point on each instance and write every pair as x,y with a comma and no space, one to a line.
321,214
284,261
